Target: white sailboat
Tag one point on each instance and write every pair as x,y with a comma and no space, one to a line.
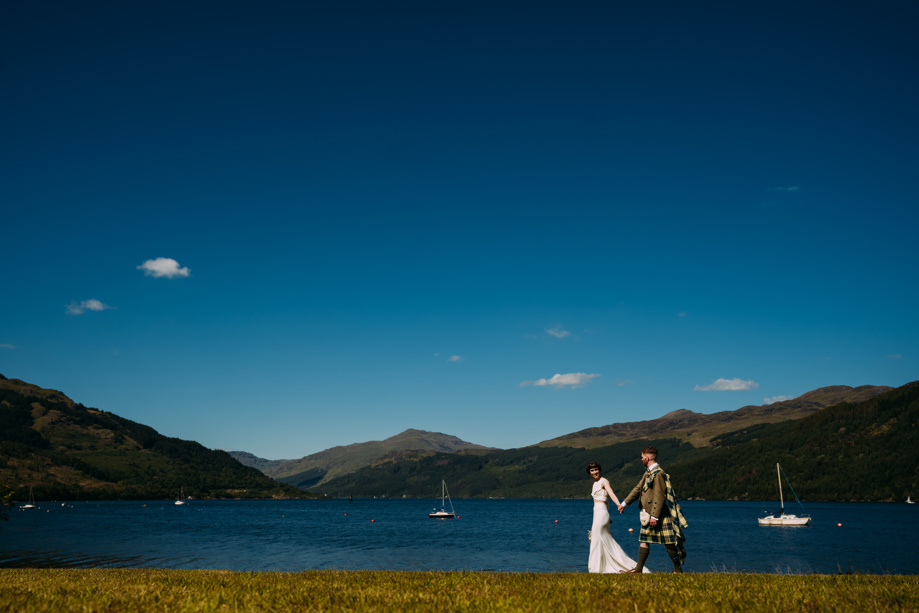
444,498
781,518
910,500
181,498
31,503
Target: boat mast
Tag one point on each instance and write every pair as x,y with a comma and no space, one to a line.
778,471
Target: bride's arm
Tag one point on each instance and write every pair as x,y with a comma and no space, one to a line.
609,488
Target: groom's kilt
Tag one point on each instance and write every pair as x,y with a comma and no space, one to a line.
665,532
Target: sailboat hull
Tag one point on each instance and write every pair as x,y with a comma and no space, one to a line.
441,515
784,520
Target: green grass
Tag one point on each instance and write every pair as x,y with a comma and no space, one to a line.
38,590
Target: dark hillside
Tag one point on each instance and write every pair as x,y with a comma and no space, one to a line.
851,451
67,451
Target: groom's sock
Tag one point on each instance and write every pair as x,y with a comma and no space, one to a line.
642,556
674,554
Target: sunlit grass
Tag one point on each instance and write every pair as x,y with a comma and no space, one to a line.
204,590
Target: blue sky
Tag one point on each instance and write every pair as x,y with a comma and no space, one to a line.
284,226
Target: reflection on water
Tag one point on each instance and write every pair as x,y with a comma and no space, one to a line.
489,535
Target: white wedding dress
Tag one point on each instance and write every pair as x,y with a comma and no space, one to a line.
606,556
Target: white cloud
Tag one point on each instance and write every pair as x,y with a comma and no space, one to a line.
455,358
572,380
624,382
728,385
775,399
168,268
78,308
895,356
7,346
790,188
557,332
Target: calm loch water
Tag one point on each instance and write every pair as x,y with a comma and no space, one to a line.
489,535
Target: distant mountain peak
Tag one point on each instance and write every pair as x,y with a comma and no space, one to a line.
319,467
678,414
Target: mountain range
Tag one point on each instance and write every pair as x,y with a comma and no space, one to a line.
66,450
859,450
406,465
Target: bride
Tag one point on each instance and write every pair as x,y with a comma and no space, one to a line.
606,556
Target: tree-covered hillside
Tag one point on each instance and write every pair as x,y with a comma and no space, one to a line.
863,451
64,450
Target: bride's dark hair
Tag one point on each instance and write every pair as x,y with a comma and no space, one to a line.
593,465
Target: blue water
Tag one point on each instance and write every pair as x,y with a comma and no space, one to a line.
489,535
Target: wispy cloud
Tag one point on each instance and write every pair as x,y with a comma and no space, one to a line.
164,268
624,382
790,188
7,346
728,385
572,380
775,399
557,332
895,356
78,308
455,358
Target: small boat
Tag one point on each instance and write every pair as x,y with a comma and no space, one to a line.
181,498
444,498
31,503
781,518
910,500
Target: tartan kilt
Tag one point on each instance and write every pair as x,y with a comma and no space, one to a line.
665,533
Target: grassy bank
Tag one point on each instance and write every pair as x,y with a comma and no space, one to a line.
201,590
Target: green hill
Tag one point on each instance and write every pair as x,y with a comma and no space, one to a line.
64,450
837,453
851,451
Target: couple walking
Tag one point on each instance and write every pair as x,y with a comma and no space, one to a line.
664,525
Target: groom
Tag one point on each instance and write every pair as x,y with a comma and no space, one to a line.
655,495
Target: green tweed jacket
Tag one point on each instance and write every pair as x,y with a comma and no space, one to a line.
651,493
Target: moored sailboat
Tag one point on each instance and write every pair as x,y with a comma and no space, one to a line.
31,503
781,518
444,498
